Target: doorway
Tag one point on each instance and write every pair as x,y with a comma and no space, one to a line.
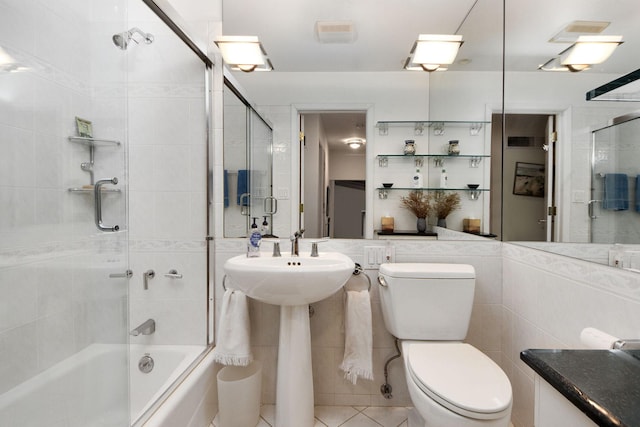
523,165
333,173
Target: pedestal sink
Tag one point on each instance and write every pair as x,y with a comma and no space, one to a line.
293,283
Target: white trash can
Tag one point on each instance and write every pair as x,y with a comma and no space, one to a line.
239,390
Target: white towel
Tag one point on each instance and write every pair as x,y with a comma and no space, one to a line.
233,346
358,340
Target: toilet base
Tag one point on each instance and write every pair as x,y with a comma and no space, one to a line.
414,419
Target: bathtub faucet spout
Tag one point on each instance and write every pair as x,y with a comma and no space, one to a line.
147,328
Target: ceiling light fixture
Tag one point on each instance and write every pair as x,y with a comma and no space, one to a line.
355,143
433,51
244,53
585,52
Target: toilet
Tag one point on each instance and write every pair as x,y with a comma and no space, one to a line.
451,383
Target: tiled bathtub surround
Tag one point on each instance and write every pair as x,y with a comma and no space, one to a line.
54,265
168,175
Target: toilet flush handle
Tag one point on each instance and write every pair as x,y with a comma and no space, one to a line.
381,281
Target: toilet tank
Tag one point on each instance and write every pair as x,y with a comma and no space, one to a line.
424,301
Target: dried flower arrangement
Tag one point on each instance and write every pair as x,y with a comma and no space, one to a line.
445,203
418,202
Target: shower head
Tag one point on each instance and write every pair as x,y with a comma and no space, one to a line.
122,39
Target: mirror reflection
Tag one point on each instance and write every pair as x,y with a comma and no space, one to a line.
474,88
248,198
333,177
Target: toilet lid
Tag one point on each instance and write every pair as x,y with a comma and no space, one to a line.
461,378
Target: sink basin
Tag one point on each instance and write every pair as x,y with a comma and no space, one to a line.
289,280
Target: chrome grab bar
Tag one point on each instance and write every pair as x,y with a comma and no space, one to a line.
98,204
126,275
274,205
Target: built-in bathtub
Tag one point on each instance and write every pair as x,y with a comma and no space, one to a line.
188,397
89,389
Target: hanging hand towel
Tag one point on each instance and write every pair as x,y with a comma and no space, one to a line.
616,192
358,342
233,346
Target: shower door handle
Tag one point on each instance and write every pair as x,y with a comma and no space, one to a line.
245,204
590,207
97,191
274,205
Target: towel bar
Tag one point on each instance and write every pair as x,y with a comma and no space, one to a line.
357,272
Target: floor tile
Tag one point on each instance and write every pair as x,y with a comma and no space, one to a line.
268,413
387,416
360,420
334,416
342,416
263,423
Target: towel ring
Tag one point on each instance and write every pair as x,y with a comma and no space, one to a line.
356,272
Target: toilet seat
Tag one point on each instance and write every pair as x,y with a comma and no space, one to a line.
460,378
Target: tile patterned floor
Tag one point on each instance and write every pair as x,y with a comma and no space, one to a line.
344,416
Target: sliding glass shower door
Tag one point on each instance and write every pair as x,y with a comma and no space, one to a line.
63,216
614,208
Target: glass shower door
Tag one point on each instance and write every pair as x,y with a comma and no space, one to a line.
614,208
63,186
263,204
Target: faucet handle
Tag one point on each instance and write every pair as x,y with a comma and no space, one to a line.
314,246
297,234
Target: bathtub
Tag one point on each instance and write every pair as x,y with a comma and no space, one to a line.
61,395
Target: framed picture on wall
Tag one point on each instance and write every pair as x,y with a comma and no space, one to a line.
529,180
85,128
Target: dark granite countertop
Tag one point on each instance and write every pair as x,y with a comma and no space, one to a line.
604,384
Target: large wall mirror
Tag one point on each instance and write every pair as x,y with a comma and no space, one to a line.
538,154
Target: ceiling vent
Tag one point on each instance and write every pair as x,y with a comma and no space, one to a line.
570,33
335,32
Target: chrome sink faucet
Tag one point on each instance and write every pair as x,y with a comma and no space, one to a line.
295,250
147,328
